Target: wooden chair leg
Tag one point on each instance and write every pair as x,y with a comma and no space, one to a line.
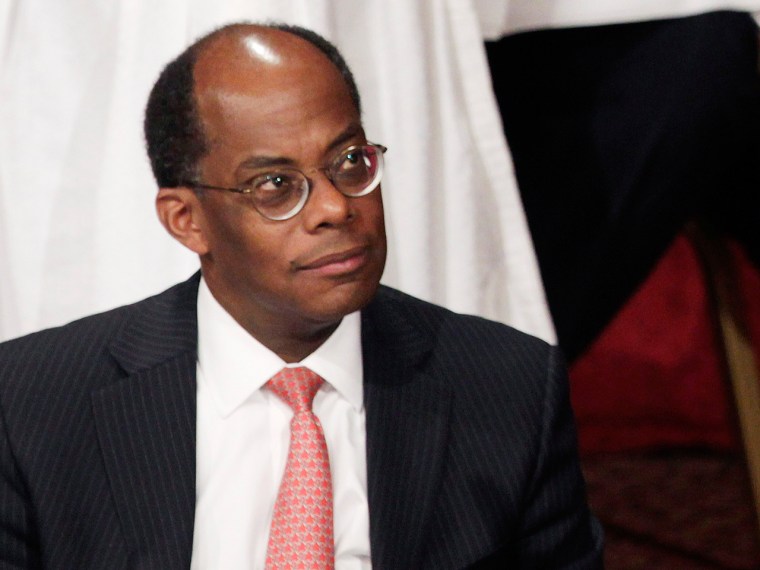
735,345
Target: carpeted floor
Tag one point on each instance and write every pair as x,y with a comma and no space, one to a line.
654,379
674,509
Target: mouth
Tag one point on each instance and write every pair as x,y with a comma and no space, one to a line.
338,264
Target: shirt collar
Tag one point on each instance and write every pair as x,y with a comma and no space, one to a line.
234,364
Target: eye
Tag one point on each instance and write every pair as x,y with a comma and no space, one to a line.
354,167
357,158
273,189
276,182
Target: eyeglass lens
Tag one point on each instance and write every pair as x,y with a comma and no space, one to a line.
354,171
281,194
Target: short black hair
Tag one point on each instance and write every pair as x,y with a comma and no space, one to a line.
174,135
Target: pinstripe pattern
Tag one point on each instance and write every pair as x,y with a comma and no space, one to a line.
98,440
470,442
471,451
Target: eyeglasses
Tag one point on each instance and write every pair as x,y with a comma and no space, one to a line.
280,194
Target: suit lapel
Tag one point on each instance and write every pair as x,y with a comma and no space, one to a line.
407,428
146,427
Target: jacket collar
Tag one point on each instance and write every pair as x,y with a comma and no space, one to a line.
407,430
146,427
146,424
165,325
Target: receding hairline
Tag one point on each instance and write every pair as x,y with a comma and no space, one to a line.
172,126
229,41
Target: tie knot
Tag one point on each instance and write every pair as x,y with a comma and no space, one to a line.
296,387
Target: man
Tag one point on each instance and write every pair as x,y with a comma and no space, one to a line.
151,436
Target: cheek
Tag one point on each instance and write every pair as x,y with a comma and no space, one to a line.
264,256
372,212
240,242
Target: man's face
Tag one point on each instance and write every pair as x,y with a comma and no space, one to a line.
299,275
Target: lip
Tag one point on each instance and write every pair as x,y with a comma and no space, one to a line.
339,263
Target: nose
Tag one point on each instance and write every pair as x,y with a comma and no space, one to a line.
326,205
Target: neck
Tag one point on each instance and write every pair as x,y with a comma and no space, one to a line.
295,348
290,339
289,334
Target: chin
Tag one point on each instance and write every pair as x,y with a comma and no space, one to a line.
343,300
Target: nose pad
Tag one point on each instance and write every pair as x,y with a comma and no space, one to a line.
322,179
323,172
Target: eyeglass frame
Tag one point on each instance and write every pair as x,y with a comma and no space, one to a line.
302,201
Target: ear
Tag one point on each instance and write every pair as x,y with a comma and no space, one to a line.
180,212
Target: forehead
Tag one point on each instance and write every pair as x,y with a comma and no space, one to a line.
223,59
254,74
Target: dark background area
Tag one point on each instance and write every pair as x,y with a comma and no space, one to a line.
625,138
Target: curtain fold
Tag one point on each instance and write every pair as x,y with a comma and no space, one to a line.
79,233
509,16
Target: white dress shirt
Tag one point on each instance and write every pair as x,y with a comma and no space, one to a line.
243,433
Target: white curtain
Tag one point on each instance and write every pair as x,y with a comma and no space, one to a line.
78,232
501,17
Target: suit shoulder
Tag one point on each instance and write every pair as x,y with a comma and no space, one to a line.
489,366
81,341
446,325
465,352
97,328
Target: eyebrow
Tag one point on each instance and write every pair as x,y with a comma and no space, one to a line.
337,143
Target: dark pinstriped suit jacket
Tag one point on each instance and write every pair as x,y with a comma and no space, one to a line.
470,442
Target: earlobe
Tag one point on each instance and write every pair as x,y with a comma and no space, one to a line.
180,212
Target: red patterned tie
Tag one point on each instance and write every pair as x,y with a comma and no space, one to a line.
301,536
